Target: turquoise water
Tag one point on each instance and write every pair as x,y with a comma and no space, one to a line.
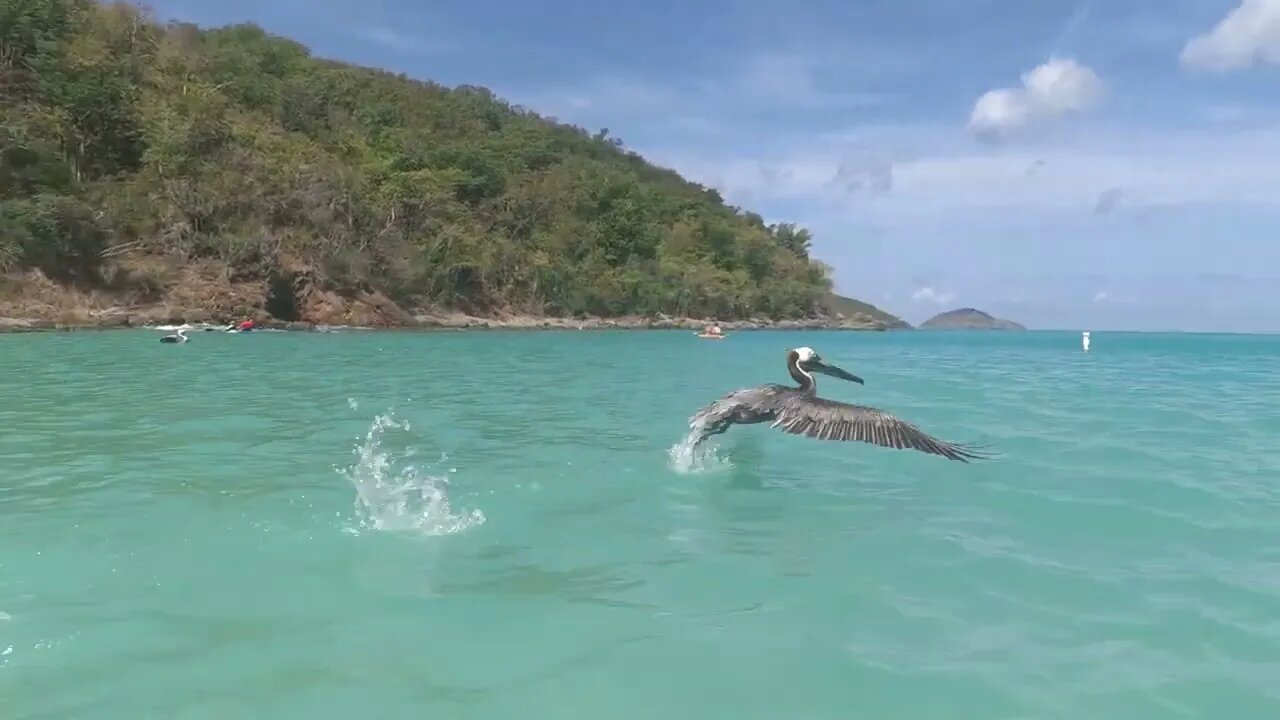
181,537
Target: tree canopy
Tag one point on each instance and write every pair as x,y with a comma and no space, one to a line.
121,137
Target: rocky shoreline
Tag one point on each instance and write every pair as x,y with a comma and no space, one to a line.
119,318
204,296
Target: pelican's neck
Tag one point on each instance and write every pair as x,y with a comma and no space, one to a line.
806,381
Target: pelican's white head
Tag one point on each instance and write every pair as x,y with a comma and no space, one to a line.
806,361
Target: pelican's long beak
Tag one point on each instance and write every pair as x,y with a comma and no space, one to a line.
836,372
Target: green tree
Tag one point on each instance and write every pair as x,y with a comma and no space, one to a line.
122,137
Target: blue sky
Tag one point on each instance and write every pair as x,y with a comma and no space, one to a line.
1104,164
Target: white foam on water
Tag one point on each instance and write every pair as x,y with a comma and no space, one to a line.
690,457
395,495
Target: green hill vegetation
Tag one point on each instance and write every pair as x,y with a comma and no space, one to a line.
833,304
229,169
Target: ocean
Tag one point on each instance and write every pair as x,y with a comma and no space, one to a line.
506,524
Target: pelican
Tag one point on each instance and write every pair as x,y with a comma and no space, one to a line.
799,411
180,337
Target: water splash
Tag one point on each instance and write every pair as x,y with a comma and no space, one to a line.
395,495
689,456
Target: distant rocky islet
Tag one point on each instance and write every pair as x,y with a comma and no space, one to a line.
968,319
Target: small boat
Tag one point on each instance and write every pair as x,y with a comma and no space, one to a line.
712,332
243,326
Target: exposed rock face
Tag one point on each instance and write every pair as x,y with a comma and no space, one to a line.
296,299
968,319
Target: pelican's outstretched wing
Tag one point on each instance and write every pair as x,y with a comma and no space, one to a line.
740,407
830,420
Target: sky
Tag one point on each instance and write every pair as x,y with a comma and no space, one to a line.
1104,164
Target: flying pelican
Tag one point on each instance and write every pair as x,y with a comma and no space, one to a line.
799,411
180,337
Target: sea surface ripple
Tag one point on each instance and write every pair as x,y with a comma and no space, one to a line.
496,525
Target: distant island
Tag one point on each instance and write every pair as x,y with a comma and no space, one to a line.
968,319
165,172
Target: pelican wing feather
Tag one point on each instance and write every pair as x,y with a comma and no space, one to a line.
824,419
749,405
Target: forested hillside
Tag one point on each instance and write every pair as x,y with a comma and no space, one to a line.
231,168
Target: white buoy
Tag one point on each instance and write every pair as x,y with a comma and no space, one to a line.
1084,340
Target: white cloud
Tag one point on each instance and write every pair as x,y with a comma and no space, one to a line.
1226,113
617,97
873,176
1248,36
1097,174
928,294
786,81
1059,87
1101,296
789,79
778,76
396,40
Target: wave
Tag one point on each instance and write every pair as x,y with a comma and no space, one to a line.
692,457
393,494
